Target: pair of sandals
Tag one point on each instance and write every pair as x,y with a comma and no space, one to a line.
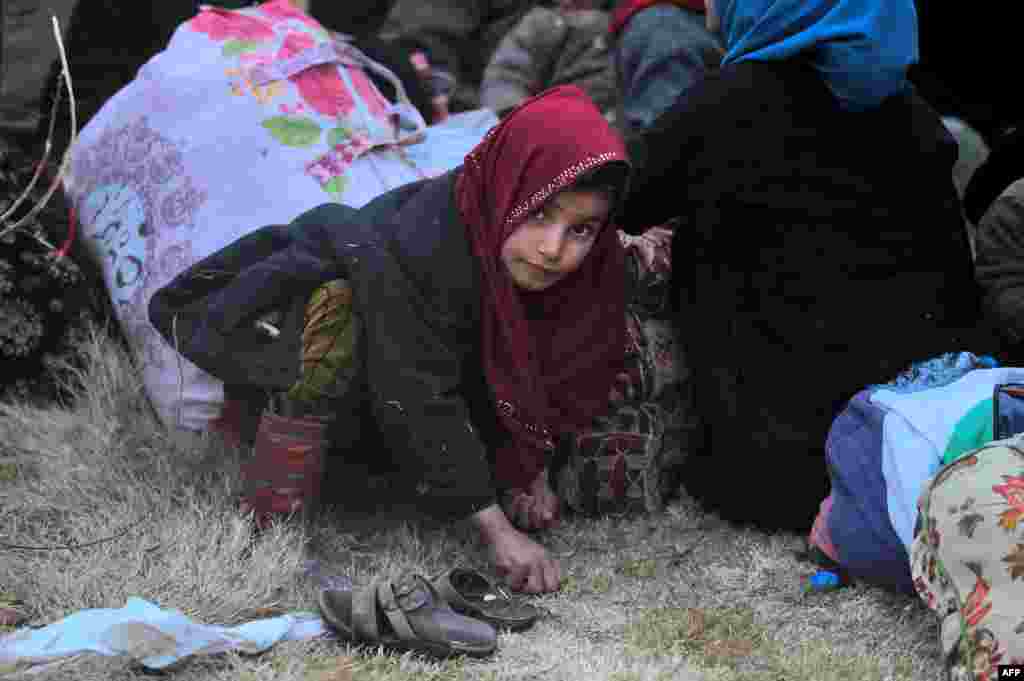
458,613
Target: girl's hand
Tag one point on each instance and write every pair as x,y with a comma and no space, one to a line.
535,508
523,563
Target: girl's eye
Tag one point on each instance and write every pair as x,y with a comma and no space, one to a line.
583,231
539,215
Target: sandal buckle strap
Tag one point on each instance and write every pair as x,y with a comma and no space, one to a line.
364,614
395,614
410,593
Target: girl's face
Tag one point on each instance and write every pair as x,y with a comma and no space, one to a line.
552,243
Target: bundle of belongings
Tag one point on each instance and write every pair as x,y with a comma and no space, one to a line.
927,494
247,118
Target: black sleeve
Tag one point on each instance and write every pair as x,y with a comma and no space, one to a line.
666,159
207,313
415,367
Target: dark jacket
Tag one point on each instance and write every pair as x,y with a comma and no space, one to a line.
459,37
1000,263
548,48
820,252
415,289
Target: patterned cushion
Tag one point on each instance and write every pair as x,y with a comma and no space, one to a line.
630,460
617,467
968,557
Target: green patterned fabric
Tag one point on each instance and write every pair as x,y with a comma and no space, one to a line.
328,344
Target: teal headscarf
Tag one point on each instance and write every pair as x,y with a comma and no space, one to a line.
861,47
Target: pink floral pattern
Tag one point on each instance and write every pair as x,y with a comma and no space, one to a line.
276,52
375,101
282,10
223,25
294,43
334,162
1012,490
323,90
320,87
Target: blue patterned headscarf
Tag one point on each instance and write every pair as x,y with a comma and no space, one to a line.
861,47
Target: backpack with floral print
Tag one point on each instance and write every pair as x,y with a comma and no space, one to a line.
968,559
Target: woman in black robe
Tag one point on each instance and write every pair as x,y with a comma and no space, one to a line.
821,247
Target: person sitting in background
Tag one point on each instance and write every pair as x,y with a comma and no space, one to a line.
1000,265
458,37
1003,165
662,49
564,45
820,246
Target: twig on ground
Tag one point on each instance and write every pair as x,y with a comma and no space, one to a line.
678,556
536,673
72,547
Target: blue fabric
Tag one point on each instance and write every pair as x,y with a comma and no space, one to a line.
660,56
935,372
862,48
153,636
859,524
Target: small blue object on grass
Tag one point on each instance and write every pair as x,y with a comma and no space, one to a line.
825,580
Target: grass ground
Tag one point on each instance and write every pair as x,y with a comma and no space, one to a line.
679,595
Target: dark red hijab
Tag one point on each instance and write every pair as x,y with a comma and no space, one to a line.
551,356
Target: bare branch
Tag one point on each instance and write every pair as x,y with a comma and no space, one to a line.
65,160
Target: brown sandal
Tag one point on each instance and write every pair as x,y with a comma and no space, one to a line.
471,593
407,614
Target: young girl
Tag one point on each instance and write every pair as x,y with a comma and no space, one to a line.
487,309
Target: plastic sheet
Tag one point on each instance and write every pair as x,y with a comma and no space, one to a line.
153,636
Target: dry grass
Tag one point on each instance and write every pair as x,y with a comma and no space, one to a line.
677,596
